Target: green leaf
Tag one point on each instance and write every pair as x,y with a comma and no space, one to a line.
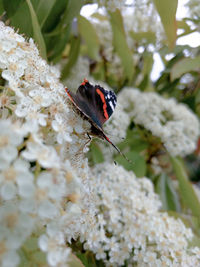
195,242
148,63
89,260
182,24
168,195
90,37
43,9
17,20
37,31
11,6
145,37
57,34
73,56
99,71
167,12
134,141
74,261
120,44
1,7
99,17
138,165
97,155
56,44
183,66
188,194
54,17
72,10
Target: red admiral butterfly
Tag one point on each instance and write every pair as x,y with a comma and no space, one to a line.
95,104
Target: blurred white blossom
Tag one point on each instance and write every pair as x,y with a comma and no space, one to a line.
130,226
174,123
111,4
38,142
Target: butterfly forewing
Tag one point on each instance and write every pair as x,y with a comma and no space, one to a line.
106,102
96,102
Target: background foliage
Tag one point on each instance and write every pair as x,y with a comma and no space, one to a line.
62,35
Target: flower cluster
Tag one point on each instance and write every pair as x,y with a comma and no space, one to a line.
129,226
175,124
41,145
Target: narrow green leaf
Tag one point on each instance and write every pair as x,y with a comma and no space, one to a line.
99,71
99,17
57,44
148,63
120,44
183,66
182,24
17,20
188,194
37,31
11,6
71,11
90,37
74,261
54,17
88,259
73,56
167,12
147,37
1,7
168,194
43,9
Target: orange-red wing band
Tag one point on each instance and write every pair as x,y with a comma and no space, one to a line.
67,91
84,82
104,103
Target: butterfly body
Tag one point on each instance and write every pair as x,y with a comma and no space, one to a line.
95,104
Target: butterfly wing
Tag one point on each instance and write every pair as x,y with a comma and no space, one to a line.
95,102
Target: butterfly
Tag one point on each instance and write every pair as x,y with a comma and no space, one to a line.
95,104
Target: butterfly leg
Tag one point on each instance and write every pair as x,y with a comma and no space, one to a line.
89,139
89,136
82,147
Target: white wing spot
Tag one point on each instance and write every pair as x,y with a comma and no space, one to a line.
111,105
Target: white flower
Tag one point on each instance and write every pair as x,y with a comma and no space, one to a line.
53,183
15,226
136,230
174,123
9,140
59,125
16,179
57,251
10,259
45,155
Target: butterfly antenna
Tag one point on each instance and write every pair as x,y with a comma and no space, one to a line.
118,150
